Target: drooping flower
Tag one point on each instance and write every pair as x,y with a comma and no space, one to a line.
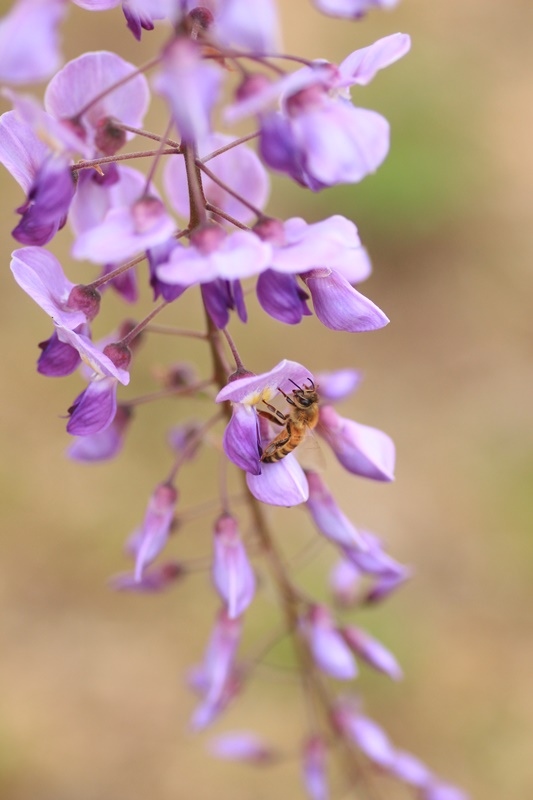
105,444
360,449
373,652
156,579
328,517
314,768
242,746
217,679
156,527
233,575
327,645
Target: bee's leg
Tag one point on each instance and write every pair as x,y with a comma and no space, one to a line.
279,419
275,445
287,397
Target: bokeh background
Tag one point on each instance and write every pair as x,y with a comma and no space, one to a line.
93,700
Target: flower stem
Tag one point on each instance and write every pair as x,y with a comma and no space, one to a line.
142,325
95,162
227,188
148,135
230,146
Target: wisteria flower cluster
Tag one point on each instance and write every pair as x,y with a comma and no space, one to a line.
204,231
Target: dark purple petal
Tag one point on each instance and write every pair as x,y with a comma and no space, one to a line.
57,358
278,147
104,445
235,288
281,297
241,439
45,211
142,13
339,306
94,409
217,299
124,284
158,255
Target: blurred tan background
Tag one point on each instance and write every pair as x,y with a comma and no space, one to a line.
93,702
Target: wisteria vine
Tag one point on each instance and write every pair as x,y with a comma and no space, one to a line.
67,154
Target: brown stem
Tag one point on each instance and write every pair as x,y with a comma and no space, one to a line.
229,146
227,217
142,325
147,135
158,154
167,330
118,271
233,348
197,212
227,188
95,162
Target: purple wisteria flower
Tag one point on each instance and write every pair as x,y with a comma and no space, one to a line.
328,647
233,575
328,517
242,746
218,678
314,768
360,449
107,443
152,537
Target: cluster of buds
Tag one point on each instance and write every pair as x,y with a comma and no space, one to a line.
207,232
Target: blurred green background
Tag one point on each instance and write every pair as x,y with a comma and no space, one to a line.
93,700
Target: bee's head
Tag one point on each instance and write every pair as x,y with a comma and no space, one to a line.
304,396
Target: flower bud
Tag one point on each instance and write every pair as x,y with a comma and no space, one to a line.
85,299
108,137
329,649
232,574
119,354
314,768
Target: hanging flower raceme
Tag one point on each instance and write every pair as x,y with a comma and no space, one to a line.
233,575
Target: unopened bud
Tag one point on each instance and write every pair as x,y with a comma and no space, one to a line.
146,213
109,138
85,299
119,354
270,230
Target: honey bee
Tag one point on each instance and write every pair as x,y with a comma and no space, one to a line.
301,418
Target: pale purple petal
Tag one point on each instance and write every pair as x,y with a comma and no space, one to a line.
361,66
340,143
233,575
258,31
369,737
282,483
254,388
372,651
29,40
344,581
97,5
332,242
86,77
352,9
40,274
341,307
410,769
120,236
239,168
328,517
237,255
330,651
190,86
443,791
360,449
241,439
242,746
156,579
337,385
21,150
94,409
94,199
92,356
314,769
156,526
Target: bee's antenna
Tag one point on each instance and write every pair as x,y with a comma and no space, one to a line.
287,397
295,384
311,381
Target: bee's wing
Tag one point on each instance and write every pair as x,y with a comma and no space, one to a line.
310,453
